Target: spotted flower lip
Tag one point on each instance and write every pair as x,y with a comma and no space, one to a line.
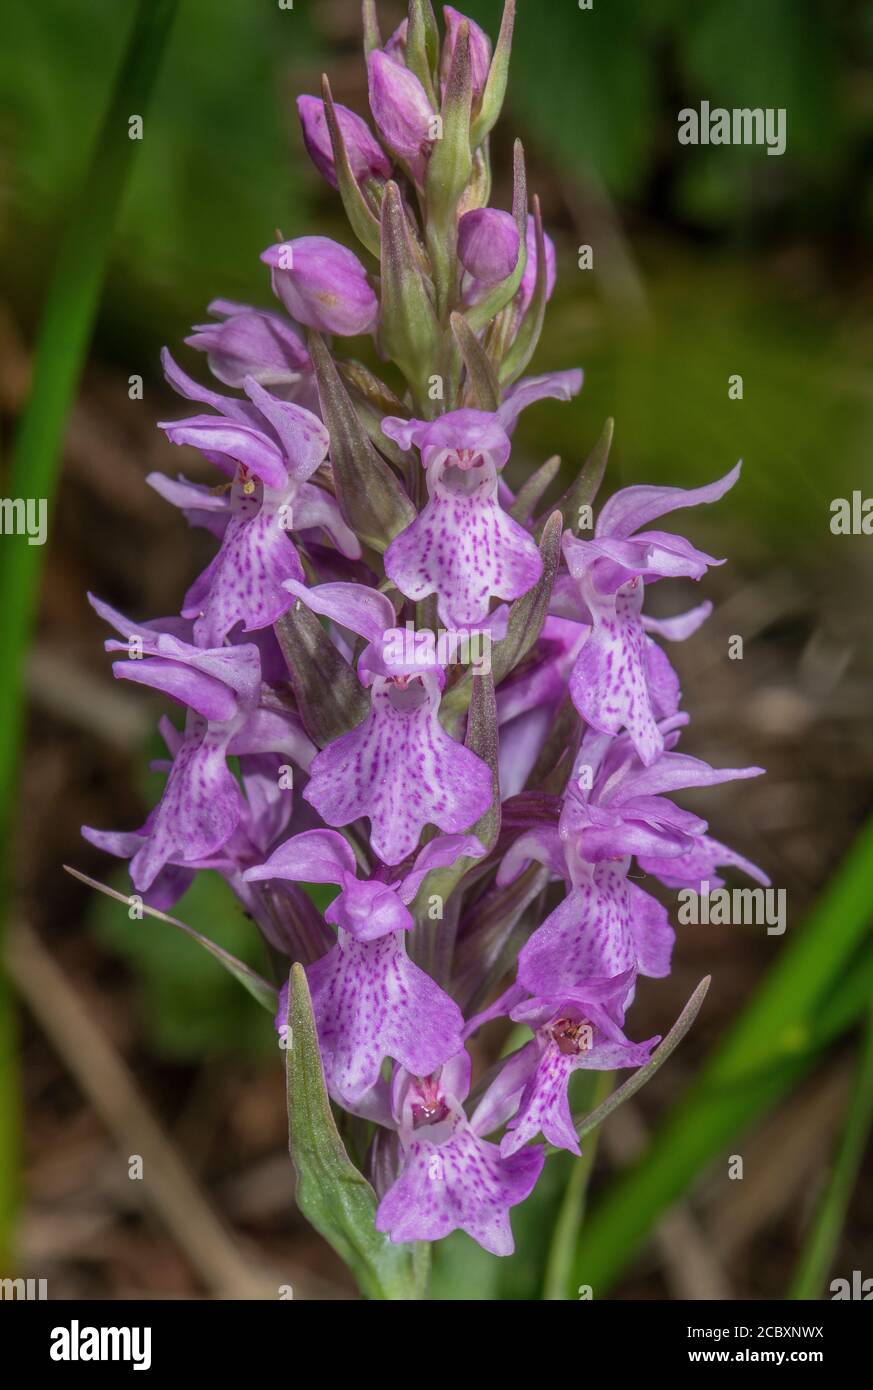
322,285
367,159
451,1177
463,546
370,1001
399,767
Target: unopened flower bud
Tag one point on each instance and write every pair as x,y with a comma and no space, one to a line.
401,110
487,245
323,285
480,50
366,156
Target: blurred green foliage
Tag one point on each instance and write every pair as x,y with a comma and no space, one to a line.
192,1008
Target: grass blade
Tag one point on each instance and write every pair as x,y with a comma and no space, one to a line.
559,1265
824,1237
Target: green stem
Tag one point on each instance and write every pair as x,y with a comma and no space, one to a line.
559,1265
64,333
824,1237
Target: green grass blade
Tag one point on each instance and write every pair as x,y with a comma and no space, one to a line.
65,330
821,1245
572,1211
800,1006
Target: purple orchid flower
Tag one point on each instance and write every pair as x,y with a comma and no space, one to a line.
573,1030
463,547
451,1178
254,343
271,448
227,714
615,808
323,285
620,676
564,753
370,1001
399,767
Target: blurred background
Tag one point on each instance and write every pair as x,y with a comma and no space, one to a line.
707,262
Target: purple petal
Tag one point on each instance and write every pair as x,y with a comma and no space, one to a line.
370,1002
400,768
701,862
587,937
355,606
463,547
323,285
366,156
250,342
463,1184
316,856
401,110
559,386
240,443
633,507
440,853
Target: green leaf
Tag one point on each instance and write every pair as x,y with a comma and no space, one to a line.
422,45
530,493
451,163
498,77
362,219
643,1075
408,331
824,1236
481,378
372,500
586,487
259,988
530,330
333,1196
327,691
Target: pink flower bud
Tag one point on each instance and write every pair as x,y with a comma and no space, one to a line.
487,245
480,50
323,285
401,110
366,156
